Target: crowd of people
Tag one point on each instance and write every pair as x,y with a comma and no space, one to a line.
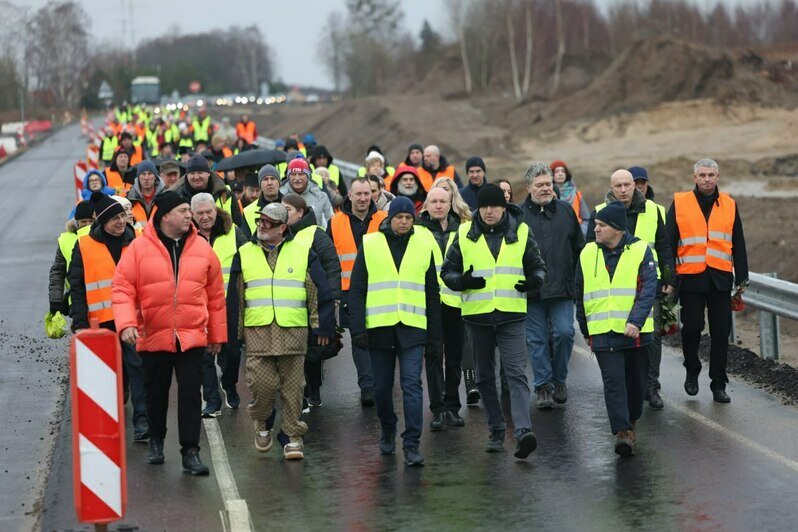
190,264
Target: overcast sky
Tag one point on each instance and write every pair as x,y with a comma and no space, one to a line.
281,22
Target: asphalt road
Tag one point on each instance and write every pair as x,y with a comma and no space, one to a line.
39,195
699,466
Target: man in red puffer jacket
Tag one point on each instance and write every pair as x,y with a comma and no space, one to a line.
168,299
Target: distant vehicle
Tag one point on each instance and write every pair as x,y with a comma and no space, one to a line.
145,89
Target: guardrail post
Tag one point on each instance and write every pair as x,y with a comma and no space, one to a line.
769,330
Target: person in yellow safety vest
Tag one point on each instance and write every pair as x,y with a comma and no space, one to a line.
216,226
376,165
616,285
320,158
395,307
645,220
440,223
199,178
108,147
94,261
75,227
281,296
123,114
269,181
171,134
202,127
494,261
706,232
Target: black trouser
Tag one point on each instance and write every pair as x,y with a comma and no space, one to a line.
718,305
624,373
229,360
187,366
443,376
312,376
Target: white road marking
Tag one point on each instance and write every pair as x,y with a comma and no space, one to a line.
236,507
739,438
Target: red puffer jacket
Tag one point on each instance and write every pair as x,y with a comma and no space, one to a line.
146,296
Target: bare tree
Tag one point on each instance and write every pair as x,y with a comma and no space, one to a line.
455,9
521,91
555,85
57,51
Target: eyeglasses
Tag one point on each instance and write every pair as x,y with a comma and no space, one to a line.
266,224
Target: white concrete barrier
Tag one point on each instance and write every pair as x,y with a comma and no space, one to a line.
9,144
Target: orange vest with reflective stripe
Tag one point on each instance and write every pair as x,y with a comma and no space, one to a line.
344,241
246,131
703,244
140,213
427,178
98,272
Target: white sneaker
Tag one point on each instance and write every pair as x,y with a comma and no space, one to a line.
293,451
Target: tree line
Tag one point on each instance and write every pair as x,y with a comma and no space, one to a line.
48,59
503,44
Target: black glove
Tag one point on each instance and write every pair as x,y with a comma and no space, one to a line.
56,307
525,285
470,282
361,341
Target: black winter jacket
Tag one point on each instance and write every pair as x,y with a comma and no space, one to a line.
324,248
399,335
662,244
215,188
469,193
79,309
722,281
560,240
441,236
505,231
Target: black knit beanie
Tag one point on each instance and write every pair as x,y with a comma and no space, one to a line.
491,195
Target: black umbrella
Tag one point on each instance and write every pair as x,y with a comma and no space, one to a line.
248,158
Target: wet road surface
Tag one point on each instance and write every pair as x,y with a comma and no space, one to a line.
699,466
37,199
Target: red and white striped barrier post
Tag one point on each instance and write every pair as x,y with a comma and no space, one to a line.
98,427
84,126
79,175
93,156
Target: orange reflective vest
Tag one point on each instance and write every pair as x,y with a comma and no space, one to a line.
140,212
247,131
344,241
98,272
427,178
703,244
576,203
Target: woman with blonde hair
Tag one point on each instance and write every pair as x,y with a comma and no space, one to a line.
459,206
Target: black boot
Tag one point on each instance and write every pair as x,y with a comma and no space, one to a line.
691,384
155,454
654,400
388,442
437,422
454,419
192,463
412,457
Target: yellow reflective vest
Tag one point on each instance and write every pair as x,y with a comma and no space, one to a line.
396,296
335,175
225,248
501,274
278,295
448,296
608,303
201,129
646,228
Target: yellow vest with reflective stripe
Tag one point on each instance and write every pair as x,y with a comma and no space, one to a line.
501,275
335,175
396,296
66,243
201,129
109,146
251,214
225,248
275,296
609,302
646,228
227,206
448,296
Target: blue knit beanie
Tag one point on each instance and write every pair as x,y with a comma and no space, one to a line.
401,204
614,215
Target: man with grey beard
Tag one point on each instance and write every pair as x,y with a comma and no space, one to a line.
406,182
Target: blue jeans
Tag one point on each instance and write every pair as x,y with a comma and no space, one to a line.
383,366
133,376
549,339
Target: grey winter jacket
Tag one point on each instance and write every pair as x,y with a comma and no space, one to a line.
315,198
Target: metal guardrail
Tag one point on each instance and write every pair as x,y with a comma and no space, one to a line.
773,297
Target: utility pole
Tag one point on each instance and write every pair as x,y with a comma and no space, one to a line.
22,103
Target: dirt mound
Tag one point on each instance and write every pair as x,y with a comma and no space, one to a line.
652,72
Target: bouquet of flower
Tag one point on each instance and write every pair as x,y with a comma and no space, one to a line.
669,315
